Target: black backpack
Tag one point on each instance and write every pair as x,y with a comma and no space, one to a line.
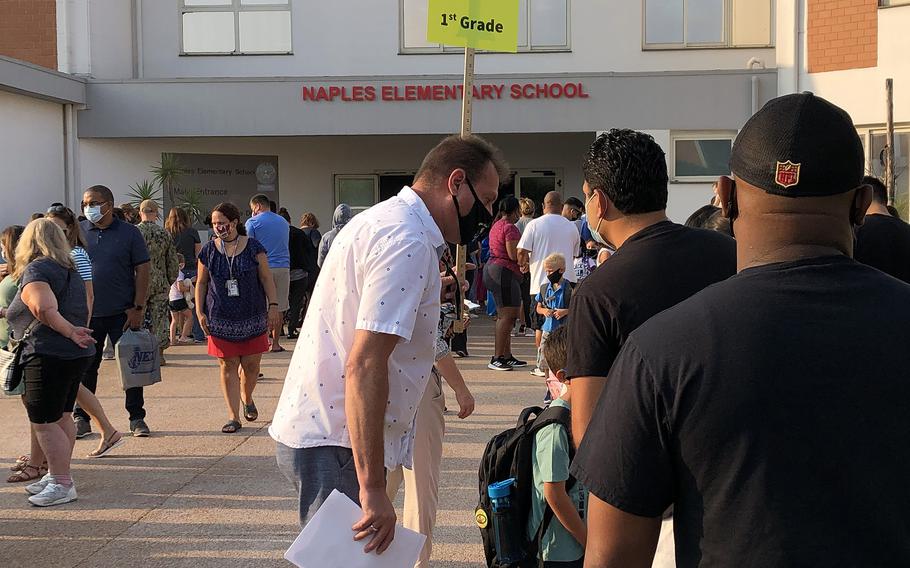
508,455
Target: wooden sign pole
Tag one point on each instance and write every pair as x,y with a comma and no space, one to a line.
889,140
461,253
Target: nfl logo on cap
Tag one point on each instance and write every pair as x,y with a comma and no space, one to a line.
787,174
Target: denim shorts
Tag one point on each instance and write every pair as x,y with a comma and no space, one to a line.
315,473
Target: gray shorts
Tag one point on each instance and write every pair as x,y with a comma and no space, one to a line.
315,472
282,279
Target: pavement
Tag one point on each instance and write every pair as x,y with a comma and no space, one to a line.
190,496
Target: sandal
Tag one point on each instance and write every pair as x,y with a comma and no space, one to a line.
279,350
250,412
231,427
106,446
21,462
24,475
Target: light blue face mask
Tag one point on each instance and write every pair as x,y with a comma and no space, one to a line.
594,234
93,214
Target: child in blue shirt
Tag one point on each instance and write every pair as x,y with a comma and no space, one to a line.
563,543
552,300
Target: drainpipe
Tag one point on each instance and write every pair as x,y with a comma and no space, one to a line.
752,63
138,67
797,47
71,195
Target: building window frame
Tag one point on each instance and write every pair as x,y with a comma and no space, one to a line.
339,178
448,49
677,136
893,3
725,43
235,7
873,160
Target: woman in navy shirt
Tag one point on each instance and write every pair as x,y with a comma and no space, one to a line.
236,306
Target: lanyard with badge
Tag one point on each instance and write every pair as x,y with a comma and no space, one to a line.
233,289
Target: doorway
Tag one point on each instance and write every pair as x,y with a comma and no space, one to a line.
535,184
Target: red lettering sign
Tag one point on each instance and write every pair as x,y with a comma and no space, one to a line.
441,92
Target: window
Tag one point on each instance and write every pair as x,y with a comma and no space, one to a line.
673,24
234,27
700,157
901,165
543,25
359,192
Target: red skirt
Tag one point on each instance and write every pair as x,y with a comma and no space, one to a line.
224,349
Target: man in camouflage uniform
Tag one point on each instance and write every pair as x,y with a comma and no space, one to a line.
163,273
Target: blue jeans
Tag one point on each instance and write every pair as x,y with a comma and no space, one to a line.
315,472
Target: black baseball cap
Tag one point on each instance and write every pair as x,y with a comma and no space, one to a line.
799,145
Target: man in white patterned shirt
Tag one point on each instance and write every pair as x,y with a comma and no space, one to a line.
366,347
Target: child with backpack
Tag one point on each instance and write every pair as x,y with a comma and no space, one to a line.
563,543
552,303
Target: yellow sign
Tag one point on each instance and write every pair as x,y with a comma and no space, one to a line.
482,24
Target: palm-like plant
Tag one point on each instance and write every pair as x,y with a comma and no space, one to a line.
166,174
143,190
191,202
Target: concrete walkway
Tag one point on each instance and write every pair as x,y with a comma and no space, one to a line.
190,496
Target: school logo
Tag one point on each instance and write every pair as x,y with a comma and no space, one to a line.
787,174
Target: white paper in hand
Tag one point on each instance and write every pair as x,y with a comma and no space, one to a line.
327,541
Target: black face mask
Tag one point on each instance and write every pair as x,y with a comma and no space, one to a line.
554,277
473,226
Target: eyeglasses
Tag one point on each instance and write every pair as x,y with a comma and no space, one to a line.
94,204
58,209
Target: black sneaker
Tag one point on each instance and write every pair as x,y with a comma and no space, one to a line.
499,364
139,428
83,427
513,362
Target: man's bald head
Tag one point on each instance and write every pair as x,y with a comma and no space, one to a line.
552,202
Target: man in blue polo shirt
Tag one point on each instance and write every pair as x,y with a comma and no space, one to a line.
271,230
120,263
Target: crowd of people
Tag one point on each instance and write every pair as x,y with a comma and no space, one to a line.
740,378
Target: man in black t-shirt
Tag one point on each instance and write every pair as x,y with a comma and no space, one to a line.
657,264
770,409
883,241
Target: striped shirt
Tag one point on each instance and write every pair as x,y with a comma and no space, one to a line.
83,263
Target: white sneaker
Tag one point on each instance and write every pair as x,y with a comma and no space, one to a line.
538,373
38,486
108,355
54,494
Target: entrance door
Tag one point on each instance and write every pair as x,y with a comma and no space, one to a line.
535,184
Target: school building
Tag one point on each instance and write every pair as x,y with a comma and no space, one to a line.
327,102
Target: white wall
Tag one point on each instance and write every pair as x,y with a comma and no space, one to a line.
359,37
307,164
861,92
31,157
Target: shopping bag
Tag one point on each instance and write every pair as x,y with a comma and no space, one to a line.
138,359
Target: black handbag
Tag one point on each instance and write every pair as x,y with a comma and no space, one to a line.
11,361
